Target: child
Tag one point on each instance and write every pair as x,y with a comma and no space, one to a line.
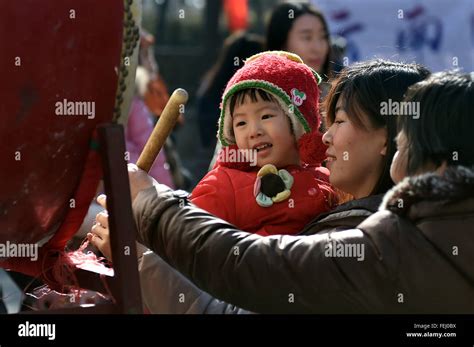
268,179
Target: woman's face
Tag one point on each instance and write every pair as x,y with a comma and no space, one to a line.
309,40
355,156
398,169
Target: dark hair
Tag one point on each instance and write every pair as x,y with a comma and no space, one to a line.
239,97
364,87
236,48
443,132
281,23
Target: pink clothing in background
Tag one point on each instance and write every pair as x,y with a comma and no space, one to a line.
137,132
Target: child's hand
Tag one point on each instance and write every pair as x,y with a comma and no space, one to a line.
99,235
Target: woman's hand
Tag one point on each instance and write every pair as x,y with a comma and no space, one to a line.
139,180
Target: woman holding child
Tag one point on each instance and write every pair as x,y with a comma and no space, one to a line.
417,247
286,265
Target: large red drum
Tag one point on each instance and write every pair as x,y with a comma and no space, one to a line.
65,68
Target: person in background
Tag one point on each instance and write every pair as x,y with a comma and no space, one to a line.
236,48
302,29
140,119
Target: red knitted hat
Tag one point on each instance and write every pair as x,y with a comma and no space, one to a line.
294,85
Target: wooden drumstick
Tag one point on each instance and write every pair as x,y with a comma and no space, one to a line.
163,128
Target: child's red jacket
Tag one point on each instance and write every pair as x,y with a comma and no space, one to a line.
229,194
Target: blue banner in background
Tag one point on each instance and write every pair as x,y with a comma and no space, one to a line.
436,33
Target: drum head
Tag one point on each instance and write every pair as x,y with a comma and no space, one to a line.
61,67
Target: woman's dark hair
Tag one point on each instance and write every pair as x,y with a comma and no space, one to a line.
281,23
443,129
236,49
365,87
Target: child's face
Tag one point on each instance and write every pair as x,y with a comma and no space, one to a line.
263,126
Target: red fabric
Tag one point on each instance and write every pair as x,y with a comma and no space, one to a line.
83,197
286,74
63,60
312,149
228,194
49,253
237,14
237,165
